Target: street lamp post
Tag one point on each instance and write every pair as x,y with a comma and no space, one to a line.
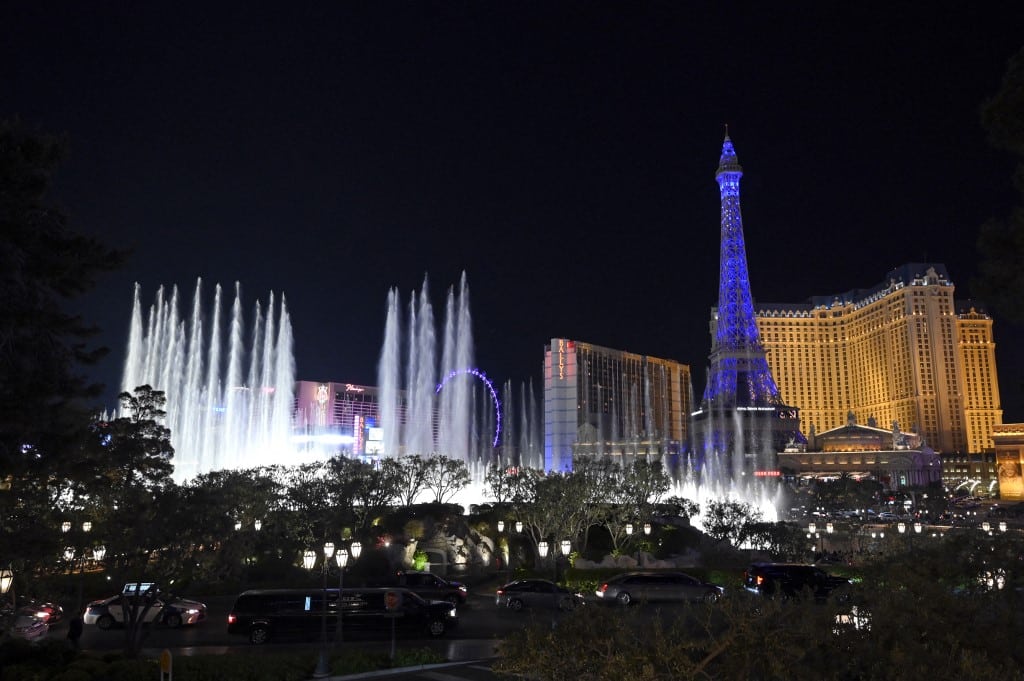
322,666
7,584
542,550
341,558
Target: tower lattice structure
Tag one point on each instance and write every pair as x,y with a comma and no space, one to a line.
742,418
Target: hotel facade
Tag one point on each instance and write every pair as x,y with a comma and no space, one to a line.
599,401
903,352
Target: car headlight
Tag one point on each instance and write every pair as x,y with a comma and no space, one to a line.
452,613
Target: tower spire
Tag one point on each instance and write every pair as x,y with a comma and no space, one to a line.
740,387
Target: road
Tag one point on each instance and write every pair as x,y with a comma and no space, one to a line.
481,625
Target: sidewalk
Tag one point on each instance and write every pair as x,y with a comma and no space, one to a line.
458,652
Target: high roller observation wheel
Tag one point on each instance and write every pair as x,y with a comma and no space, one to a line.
470,371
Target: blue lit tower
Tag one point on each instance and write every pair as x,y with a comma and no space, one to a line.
741,422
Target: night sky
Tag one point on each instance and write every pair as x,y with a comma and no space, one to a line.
561,154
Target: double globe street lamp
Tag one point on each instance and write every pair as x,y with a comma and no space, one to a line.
309,562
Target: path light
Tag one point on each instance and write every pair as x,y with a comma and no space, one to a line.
902,527
309,559
99,552
519,526
238,525
629,528
566,547
501,526
985,526
542,549
86,526
917,528
812,528
65,526
356,549
829,528
647,529
258,524
1002,526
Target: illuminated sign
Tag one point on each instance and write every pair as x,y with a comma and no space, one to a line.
357,434
561,359
767,474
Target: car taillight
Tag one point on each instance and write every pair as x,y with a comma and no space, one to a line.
760,580
501,592
232,618
604,587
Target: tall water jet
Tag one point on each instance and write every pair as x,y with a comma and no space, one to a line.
229,395
432,399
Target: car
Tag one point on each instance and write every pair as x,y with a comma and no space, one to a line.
536,593
428,585
48,613
633,587
263,615
163,609
28,627
791,580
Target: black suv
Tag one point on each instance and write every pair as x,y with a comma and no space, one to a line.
791,580
276,614
427,585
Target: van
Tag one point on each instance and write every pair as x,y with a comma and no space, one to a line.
263,615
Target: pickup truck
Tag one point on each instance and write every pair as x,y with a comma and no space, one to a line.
427,585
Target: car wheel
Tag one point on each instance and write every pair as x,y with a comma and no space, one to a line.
173,620
105,622
711,597
515,604
436,628
259,635
624,598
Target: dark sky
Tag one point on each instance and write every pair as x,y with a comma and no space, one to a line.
561,154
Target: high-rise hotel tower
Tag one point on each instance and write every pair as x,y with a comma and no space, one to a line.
903,351
742,420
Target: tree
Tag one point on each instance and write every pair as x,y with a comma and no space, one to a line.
1001,239
411,472
45,401
727,520
133,456
445,477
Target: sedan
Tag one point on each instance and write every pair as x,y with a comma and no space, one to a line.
537,593
174,612
632,587
48,613
28,627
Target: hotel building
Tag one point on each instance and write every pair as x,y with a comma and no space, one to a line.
903,352
601,401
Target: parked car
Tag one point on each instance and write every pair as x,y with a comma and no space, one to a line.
165,609
28,627
274,614
48,613
632,587
426,584
791,580
537,593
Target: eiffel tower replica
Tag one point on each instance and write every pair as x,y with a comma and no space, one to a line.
742,422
